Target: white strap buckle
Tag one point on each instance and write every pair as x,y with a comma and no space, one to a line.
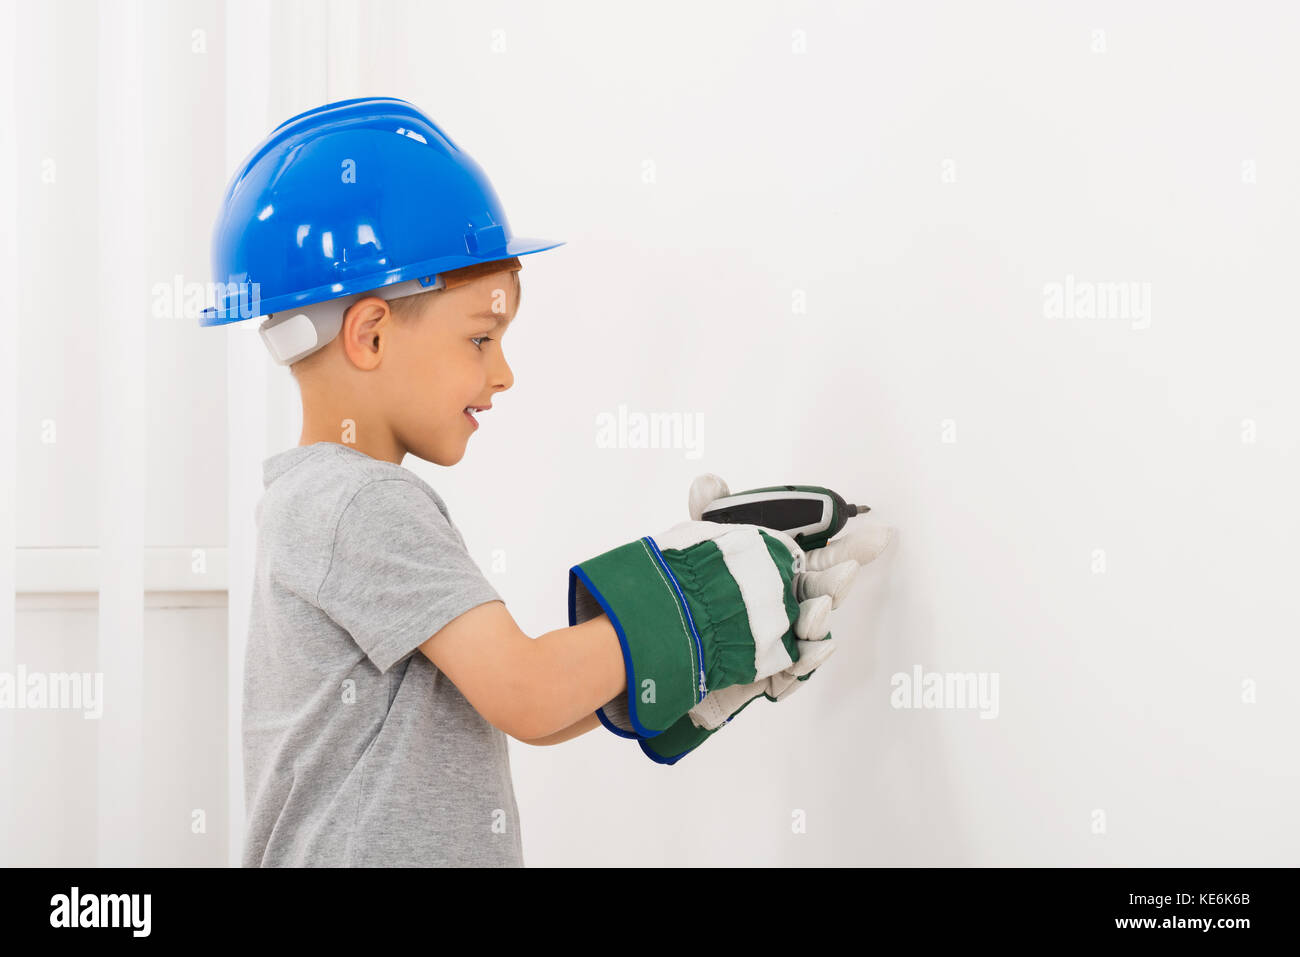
292,334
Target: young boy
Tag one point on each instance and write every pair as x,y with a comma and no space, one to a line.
358,751
383,671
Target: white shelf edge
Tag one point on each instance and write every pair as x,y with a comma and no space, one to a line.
40,571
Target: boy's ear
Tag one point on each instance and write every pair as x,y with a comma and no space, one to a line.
365,330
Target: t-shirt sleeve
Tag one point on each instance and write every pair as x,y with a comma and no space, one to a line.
398,572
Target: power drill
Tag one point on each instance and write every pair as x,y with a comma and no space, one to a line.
810,514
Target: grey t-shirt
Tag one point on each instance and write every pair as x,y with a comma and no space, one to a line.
358,751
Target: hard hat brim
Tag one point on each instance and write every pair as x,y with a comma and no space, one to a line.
519,246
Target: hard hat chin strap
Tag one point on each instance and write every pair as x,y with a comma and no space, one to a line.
293,334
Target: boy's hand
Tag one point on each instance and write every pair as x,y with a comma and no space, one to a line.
831,572
829,575
703,605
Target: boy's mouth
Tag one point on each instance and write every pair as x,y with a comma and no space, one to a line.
471,409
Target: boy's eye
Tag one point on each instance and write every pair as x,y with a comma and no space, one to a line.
477,339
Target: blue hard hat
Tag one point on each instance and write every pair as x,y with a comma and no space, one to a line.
350,197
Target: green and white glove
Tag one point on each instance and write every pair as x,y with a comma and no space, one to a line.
703,606
829,574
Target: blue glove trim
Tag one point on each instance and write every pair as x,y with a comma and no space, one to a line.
575,574
600,713
699,645
660,759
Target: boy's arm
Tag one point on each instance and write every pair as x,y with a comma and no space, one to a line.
530,688
581,726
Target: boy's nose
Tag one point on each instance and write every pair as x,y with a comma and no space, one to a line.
503,375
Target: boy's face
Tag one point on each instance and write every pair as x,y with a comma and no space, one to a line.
446,359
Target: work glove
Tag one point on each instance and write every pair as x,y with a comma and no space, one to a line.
829,574
702,606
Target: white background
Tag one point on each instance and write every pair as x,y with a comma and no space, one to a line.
825,230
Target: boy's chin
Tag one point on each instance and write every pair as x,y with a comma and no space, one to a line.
443,453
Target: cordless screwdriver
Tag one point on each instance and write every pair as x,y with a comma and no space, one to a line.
810,514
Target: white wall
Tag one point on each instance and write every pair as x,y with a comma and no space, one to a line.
825,230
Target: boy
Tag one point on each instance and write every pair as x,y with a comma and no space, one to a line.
360,752
383,671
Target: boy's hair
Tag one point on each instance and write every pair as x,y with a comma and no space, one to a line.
409,307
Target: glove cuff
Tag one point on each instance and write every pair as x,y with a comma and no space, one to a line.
663,654
613,715
684,737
